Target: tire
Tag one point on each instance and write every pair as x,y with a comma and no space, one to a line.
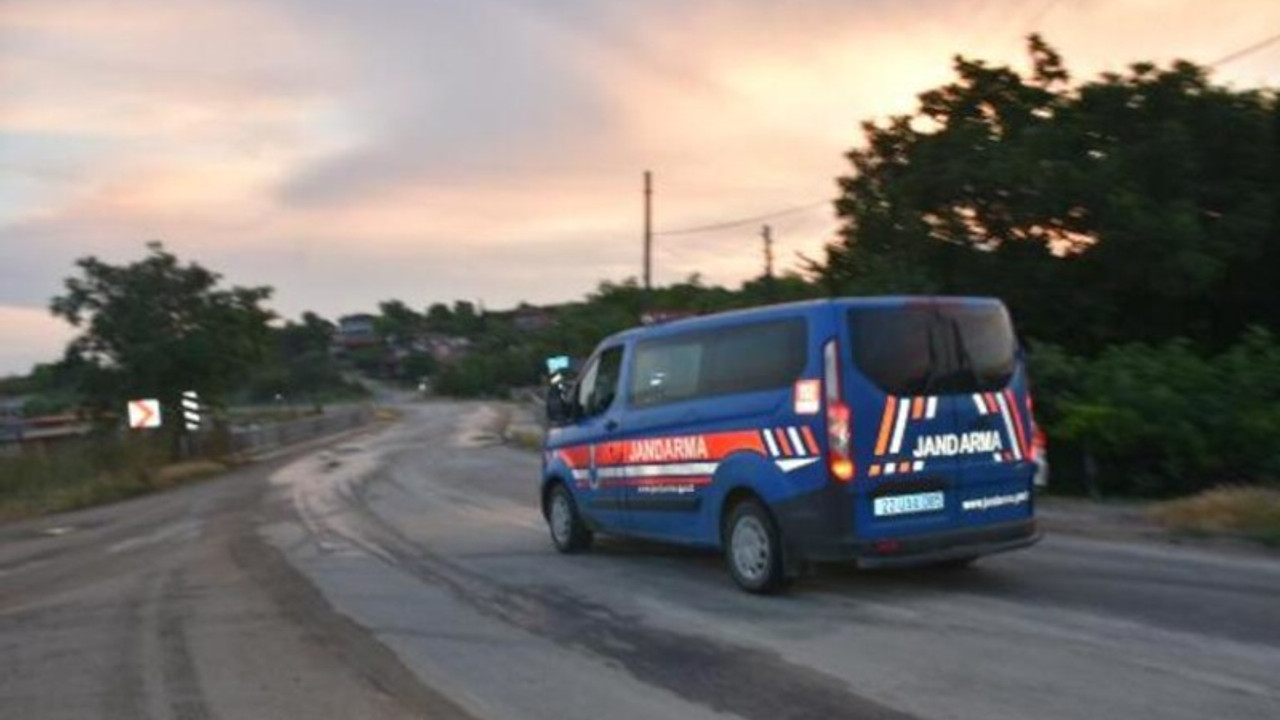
568,532
753,549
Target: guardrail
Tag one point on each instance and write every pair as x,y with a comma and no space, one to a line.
260,438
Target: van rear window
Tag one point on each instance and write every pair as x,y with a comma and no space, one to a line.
934,348
706,363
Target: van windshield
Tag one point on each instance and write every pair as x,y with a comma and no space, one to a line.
934,348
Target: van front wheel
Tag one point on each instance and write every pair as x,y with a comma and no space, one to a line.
753,549
568,532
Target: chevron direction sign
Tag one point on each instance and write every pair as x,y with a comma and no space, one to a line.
191,410
144,414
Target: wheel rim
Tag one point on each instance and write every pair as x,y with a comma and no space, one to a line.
749,544
561,518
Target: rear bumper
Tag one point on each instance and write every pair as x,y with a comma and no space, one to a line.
829,537
952,545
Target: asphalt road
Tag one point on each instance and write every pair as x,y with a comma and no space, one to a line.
407,573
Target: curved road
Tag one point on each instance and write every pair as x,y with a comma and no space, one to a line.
405,572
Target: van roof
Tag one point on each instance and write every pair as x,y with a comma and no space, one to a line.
783,309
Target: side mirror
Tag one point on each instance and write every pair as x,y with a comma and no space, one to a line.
559,409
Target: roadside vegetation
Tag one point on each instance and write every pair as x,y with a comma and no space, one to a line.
1251,513
219,341
92,472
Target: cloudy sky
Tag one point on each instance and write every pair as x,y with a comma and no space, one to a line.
349,152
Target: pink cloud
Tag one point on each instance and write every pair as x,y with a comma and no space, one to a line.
489,150
28,336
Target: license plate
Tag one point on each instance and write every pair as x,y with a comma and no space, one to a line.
907,504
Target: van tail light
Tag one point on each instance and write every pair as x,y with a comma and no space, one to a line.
1038,443
839,417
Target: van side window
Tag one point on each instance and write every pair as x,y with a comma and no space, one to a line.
756,357
742,358
666,371
599,385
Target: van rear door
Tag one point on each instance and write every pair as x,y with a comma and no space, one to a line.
942,380
996,476
894,349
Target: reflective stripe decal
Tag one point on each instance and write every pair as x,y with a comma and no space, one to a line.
658,470
796,443
769,441
809,441
898,431
886,422
977,401
660,480
1017,423
795,463
895,468
931,410
1008,426
782,442
917,408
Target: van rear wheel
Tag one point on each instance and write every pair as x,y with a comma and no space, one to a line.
753,549
568,531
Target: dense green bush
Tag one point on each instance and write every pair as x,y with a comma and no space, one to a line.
1161,419
488,373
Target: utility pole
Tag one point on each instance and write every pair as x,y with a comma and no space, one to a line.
648,230
767,234
769,290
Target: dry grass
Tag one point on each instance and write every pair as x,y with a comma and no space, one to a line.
178,473
527,439
94,472
1242,511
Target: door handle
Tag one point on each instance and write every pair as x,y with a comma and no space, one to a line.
610,425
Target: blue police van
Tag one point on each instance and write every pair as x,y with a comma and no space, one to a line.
884,431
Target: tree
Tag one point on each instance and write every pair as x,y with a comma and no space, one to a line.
310,337
1135,206
155,328
466,321
398,320
439,318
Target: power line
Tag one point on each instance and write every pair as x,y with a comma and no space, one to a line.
1232,57
744,221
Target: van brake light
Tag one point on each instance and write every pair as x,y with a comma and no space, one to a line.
839,417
